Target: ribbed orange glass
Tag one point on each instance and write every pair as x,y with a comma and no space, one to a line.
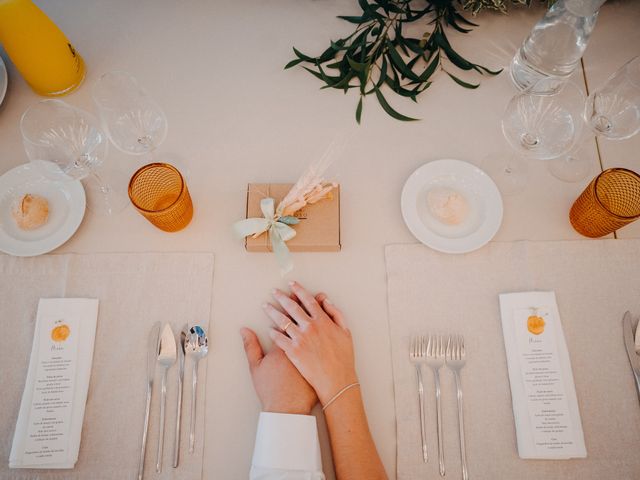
610,201
160,194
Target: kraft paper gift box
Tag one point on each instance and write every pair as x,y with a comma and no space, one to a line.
319,226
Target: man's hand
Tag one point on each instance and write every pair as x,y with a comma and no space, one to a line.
280,387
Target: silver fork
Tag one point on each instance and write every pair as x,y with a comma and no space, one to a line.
436,359
417,356
456,358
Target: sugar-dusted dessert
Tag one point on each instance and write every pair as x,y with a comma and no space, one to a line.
31,211
448,206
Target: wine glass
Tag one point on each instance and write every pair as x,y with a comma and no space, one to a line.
544,121
613,110
68,143
134,122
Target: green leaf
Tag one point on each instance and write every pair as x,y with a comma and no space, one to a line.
359,110
464,21
383,72
328,79
302,56
398,62
452,21
463,83
315,74
390,111
358,67
293,63
354,19
456,59
414,45
366,7
417,14
342,83
490,72
430,69
327,55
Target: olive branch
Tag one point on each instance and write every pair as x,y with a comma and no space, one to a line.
378,53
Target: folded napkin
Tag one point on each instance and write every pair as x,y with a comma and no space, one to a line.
67,324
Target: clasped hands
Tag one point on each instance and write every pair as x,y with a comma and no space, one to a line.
313,357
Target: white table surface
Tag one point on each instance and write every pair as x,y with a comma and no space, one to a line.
235,116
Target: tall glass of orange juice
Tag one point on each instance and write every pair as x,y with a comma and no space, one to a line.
39,49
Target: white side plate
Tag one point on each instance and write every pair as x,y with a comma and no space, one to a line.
67,204
485,206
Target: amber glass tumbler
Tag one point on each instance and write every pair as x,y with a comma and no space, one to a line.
610,201
160,194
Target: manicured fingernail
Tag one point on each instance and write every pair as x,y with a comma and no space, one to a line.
292,283
326,300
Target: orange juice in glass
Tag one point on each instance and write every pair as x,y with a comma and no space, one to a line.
39,49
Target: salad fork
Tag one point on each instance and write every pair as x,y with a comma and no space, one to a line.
417,356
456,359
436,360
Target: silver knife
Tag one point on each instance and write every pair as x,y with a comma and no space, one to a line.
153,348
181,353
629,342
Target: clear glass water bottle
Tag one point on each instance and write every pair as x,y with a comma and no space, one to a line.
556,44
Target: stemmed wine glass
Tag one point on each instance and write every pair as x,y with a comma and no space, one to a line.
134,122
544,122
68,143
613,110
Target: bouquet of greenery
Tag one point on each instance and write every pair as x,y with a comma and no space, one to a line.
379,53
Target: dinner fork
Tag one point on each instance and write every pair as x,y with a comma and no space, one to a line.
436,359
417,356
456,358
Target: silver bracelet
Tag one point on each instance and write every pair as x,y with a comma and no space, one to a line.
335,397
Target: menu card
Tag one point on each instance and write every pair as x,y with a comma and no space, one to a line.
545,406
49,424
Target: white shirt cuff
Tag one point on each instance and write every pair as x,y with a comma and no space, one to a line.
287,442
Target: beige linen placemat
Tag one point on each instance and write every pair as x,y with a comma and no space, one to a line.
134,290
595,282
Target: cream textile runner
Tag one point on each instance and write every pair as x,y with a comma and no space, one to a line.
595,282
134,290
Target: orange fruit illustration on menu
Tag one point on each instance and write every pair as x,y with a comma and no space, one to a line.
60,333
535,324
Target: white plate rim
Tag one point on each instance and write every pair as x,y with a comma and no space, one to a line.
462,244
58,237
4,80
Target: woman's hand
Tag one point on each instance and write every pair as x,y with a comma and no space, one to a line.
313,334
280,387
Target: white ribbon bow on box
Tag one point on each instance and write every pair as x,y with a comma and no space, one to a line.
277,228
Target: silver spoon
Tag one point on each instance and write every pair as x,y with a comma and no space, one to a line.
197,348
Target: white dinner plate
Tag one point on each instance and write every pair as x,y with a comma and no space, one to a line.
4,80
476,187
67,204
